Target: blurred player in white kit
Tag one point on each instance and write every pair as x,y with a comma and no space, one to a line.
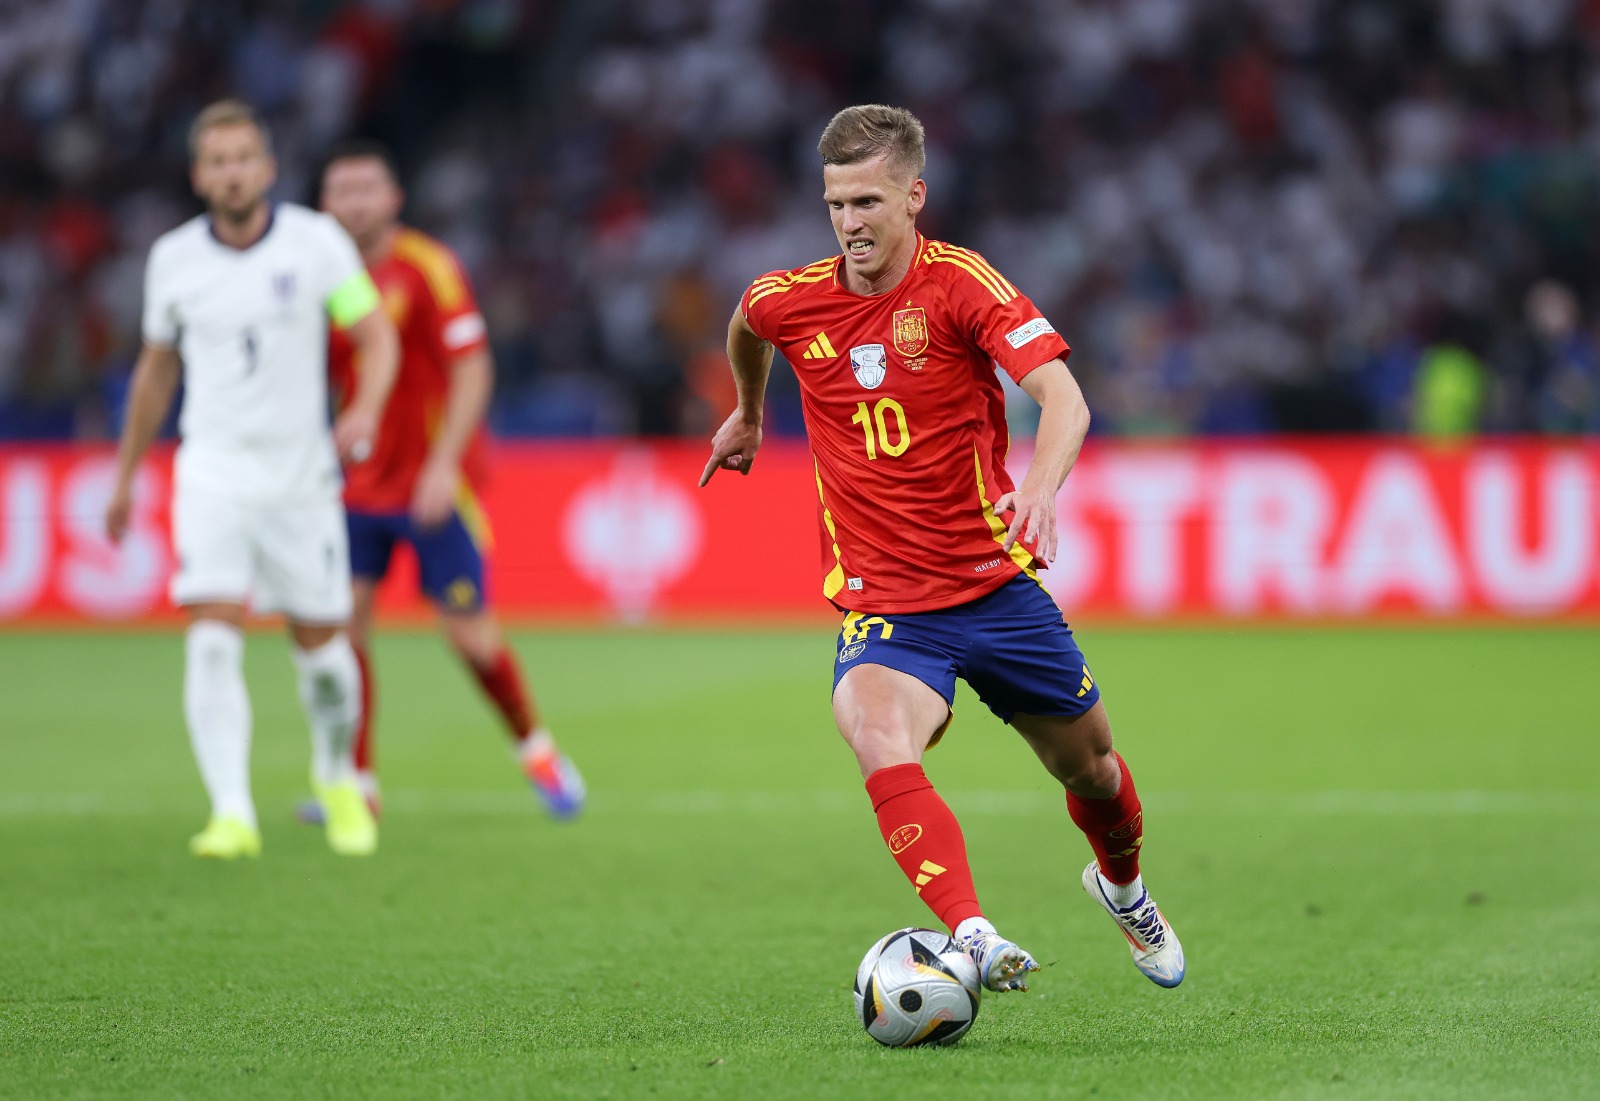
238,300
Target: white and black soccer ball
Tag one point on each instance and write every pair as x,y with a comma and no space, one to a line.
915,986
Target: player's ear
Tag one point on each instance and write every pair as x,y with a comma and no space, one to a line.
917,197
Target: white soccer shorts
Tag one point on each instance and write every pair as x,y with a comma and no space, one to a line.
291,557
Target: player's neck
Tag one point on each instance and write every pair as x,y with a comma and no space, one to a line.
241,233
888,278
377,248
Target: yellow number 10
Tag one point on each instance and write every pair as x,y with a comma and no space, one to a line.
866,421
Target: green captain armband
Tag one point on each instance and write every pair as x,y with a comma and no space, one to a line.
353,299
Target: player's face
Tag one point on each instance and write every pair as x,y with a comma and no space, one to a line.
232,170
874,214
362,196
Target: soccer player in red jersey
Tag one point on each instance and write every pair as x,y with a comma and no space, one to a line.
895,344
420,483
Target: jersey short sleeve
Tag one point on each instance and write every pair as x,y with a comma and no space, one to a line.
452,312
761,302
160,320
1001,319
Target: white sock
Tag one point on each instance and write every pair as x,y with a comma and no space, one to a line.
330,692
1122,895
538,743
972,925
216,707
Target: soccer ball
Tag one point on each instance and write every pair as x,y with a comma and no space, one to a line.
915,986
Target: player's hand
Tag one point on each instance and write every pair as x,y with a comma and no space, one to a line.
1032,521
733,447
118,511
434,499
353,434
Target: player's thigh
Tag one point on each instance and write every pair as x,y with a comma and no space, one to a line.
887,717
371,537
303,562
894,683
211,536
450,566
1024,659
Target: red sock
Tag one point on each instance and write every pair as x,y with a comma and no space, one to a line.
925,840
501,681
363,740
1114,827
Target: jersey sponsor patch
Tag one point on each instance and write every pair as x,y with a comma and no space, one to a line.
869,362
1032,330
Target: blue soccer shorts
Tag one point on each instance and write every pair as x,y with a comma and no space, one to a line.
1011,645
449,557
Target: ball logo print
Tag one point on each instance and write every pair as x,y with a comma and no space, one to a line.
870,363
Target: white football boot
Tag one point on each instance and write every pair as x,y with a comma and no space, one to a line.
1002,965
1156,951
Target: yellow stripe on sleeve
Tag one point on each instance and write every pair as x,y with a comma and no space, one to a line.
983,280
994,273
438,268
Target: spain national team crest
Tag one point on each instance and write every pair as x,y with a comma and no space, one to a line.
910,332
869,362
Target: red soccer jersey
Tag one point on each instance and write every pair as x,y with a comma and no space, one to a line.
906,421
431,304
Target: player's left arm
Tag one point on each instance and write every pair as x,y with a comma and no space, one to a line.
1063,424
357,310
466,404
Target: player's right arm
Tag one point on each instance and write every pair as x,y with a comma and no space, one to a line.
735,444
155,381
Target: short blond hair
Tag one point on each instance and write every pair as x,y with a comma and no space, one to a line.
227,112
868,131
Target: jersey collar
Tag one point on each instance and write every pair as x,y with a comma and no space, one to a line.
272,218
916,258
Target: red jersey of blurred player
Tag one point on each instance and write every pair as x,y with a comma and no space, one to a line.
907,529
418,486
428,298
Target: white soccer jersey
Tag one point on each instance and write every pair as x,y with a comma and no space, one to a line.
252,328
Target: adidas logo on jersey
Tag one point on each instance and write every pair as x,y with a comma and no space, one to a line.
820,348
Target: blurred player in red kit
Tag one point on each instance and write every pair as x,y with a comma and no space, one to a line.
420,483
895,343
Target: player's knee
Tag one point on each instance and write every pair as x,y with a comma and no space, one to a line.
211,644
329,673
879,742
1089,771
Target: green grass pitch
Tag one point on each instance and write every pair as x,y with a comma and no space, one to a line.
1379,846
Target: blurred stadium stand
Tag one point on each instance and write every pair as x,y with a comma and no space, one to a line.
1279,215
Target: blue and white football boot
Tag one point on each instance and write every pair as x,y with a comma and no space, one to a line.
1156,951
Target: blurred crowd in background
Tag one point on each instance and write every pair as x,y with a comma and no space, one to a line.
1246,215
